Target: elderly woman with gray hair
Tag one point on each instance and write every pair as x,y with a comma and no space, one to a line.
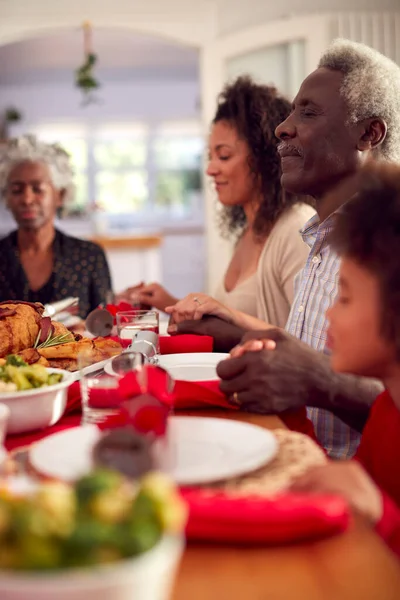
39,263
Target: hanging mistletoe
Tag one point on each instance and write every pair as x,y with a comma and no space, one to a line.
84,76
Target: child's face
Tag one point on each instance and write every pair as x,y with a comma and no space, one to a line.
354,335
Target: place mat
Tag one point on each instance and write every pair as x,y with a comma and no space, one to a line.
259,508
296,454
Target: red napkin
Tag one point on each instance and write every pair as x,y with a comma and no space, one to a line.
288,518
178,344
191,394
74,400
188,394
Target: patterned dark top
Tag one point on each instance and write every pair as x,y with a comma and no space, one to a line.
80,269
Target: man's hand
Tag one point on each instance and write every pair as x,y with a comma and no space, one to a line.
226,335
347,479
271,378
271,372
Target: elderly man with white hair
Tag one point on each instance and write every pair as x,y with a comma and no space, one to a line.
345,113
39,263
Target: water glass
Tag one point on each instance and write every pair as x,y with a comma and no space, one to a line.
99,390
129,323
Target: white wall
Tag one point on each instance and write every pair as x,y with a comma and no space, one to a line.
150,100
234,15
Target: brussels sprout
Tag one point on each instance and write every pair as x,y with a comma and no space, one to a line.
88,535
5,517
38,553
138,535
170,508
91,485
111,506
58,502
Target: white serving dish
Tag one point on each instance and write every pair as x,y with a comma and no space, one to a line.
192,366
37,408
146,577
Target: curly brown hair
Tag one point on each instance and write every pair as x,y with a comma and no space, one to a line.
367,230
255,111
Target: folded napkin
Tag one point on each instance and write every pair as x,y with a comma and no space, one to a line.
74,399
179,344
202,394
218,517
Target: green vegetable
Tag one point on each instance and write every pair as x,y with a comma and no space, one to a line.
17,376
89,487
54,378
101,519
27,377
15,361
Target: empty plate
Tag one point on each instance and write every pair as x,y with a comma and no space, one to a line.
196,366
202,450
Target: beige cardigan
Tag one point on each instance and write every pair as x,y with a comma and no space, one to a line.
268,294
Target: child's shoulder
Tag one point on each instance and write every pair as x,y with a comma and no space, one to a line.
383,407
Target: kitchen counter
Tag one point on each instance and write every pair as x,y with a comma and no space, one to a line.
134,242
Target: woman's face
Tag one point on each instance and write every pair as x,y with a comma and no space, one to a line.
31,195
228,166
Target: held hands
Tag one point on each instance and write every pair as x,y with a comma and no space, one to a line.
347,479
156,295
148,295
195,306
271,371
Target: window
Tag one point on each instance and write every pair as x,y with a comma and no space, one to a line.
141,171
74,141
177,153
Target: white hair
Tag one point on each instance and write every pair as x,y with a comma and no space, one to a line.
371,88
28,148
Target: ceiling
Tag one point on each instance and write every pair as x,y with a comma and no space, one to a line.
121,55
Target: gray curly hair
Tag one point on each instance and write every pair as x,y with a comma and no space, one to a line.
371,88
28,148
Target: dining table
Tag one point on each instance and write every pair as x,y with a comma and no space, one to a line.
354,565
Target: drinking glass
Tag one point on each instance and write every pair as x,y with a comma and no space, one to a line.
130,323
99,390
149,414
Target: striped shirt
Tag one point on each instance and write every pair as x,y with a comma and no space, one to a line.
316,287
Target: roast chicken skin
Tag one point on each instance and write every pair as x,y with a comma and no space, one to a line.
22,323
19,326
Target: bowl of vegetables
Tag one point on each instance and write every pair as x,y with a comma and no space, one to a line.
36,395
102,538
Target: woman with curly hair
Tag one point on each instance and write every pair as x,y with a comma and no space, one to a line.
39,263
269,251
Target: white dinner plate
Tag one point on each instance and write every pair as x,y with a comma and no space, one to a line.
203,450
195,366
